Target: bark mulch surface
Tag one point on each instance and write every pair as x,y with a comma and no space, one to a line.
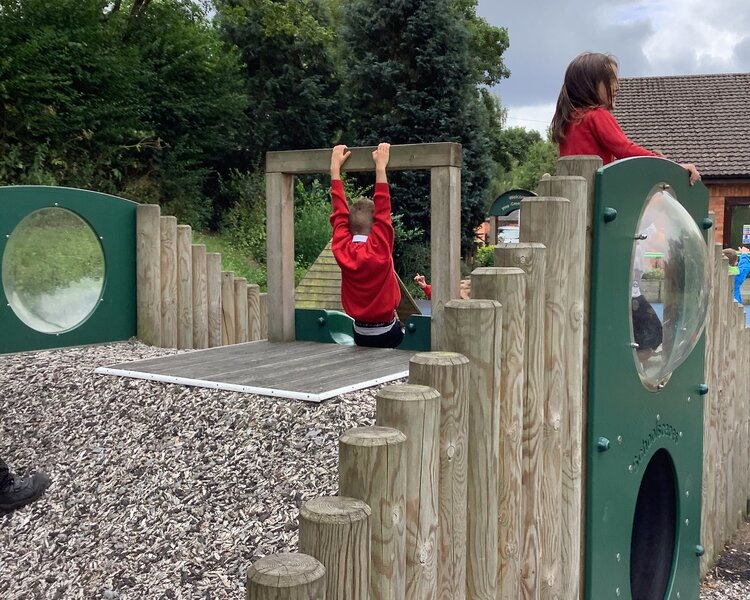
169,492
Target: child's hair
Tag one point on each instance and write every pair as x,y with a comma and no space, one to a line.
580,89
731,254
360,216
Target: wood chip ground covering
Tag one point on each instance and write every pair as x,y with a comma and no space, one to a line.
162,491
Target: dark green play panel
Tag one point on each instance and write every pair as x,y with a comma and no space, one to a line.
646,373
68,268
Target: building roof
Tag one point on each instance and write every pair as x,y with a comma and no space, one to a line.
702,119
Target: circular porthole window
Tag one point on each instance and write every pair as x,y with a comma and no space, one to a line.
669,287
53,270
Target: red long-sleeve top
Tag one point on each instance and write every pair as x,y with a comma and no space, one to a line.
599,133
369,288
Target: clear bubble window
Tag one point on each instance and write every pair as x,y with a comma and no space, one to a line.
53,270
669,287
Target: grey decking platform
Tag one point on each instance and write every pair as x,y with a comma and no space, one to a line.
299,370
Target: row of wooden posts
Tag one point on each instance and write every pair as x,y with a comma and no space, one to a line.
492,488
726,416
184,299
483,499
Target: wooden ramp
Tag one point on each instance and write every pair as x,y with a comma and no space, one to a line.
321,288
299,370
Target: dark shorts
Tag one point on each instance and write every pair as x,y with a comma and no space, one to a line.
389,339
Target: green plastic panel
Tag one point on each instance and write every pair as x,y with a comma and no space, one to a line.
113,221
627,423
336,327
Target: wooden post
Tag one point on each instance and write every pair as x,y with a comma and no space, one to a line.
582,166
148,273
263,316
474,328
184,286
372,468
168,235
448,372
415,410
576,365
336,531
548,220
531,258
240,310
445,242
200,298
253,312
286,577
213,298
227,308
280,256
507,285
705,562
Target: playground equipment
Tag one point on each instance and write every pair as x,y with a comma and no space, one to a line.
68,268
549,407
566,413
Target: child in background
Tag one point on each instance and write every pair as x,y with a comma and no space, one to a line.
743,269
583,121
731,255
363,248
426,287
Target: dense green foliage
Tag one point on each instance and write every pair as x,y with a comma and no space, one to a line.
411,78
177,101
142,102
525,157
290,73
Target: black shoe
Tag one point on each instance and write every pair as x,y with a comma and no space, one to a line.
22,490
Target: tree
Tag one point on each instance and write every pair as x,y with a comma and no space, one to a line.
411,77
137,98
71,112
291,76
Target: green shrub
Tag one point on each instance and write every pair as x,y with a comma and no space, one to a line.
653,274
312,228
244,224
485,256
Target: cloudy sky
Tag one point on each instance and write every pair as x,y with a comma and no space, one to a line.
649,37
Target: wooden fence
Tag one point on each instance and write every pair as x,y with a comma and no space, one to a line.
475,470
184,299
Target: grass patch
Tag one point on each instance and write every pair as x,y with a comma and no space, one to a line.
232,260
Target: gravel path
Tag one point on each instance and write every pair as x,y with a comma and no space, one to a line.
162,491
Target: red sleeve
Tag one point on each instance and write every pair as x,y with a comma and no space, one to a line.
428,291
613,138
340,214
382,227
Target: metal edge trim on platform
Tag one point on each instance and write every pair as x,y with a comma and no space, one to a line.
248,389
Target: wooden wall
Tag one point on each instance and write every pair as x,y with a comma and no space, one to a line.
185,300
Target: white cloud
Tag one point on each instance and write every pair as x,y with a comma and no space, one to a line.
535,116
649,37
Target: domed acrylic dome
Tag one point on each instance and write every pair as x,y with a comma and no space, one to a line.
669,287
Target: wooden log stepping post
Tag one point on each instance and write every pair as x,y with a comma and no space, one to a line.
336,531
474,328
168,255
548,220
507,285
213,298
415,410
148,273
530,257
184,287
372,468
448,373
200,298
286,577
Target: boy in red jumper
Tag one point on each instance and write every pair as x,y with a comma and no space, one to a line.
363,247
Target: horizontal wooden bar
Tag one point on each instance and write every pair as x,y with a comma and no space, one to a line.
404,157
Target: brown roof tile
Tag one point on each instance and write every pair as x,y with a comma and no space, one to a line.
702,119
